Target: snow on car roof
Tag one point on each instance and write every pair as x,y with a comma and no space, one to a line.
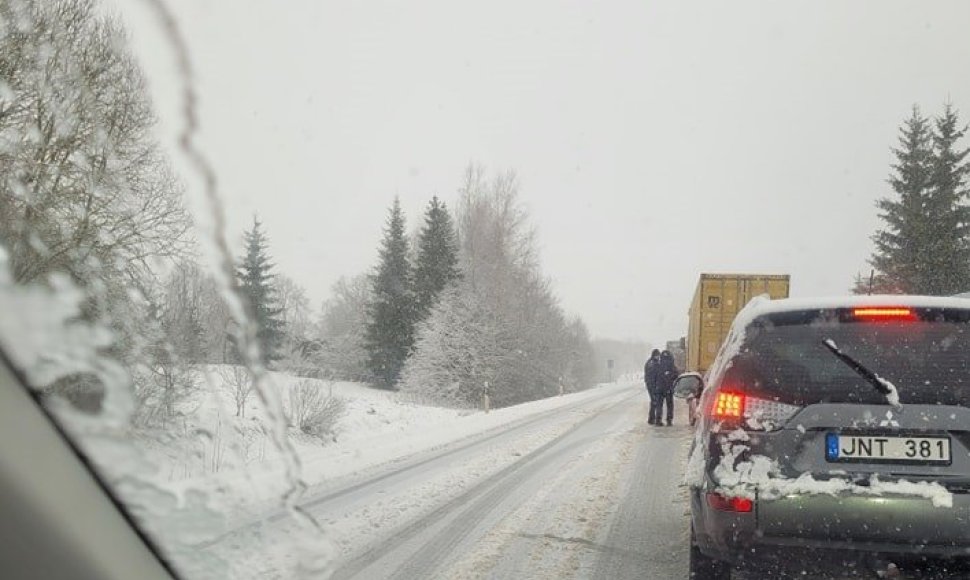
763,306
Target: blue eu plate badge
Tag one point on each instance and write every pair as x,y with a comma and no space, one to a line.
832,446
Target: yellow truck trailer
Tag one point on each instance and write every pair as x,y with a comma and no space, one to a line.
717,300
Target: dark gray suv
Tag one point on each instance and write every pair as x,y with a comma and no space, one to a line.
833,433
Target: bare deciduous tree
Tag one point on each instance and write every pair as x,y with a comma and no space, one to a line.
85,188
241,384
340,351
160,388
295,314
198,313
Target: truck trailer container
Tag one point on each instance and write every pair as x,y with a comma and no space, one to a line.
717,300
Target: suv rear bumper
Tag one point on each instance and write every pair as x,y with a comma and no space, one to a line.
901,527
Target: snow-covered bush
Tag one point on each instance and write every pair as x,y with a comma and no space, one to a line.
312,409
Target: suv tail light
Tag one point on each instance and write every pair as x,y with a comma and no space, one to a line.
884,313
729,504
757,414
728,405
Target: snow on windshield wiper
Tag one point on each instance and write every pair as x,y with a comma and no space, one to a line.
882,385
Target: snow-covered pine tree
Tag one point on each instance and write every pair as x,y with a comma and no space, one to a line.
905,242
437,260
948,261
256,284
389,335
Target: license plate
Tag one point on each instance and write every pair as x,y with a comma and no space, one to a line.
887,448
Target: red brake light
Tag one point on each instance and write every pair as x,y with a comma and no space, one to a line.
730,504
884,313
728,405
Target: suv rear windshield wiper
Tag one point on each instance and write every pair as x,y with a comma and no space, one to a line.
881,384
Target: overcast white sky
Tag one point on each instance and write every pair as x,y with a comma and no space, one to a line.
654,140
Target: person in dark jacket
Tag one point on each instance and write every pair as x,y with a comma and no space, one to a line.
651,372
667,373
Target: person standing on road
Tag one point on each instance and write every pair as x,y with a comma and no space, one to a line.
651,372
667,373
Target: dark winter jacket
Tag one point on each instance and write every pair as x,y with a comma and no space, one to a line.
651,372
667,373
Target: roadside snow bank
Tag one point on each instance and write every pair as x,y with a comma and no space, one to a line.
228,456
381,429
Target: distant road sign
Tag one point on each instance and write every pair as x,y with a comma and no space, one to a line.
609,364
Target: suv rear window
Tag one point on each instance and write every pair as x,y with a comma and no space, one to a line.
783,358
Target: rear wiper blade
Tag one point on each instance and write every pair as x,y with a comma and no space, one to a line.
882,385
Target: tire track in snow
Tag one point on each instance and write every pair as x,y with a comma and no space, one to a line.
402,468
650,529
547,535
411,553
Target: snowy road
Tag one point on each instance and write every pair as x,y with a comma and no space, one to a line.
601,498
586,491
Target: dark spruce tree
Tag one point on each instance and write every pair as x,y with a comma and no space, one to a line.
902,246
947,262
256,284
437,261
389,335
924,247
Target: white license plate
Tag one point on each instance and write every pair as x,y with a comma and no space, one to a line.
887,448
